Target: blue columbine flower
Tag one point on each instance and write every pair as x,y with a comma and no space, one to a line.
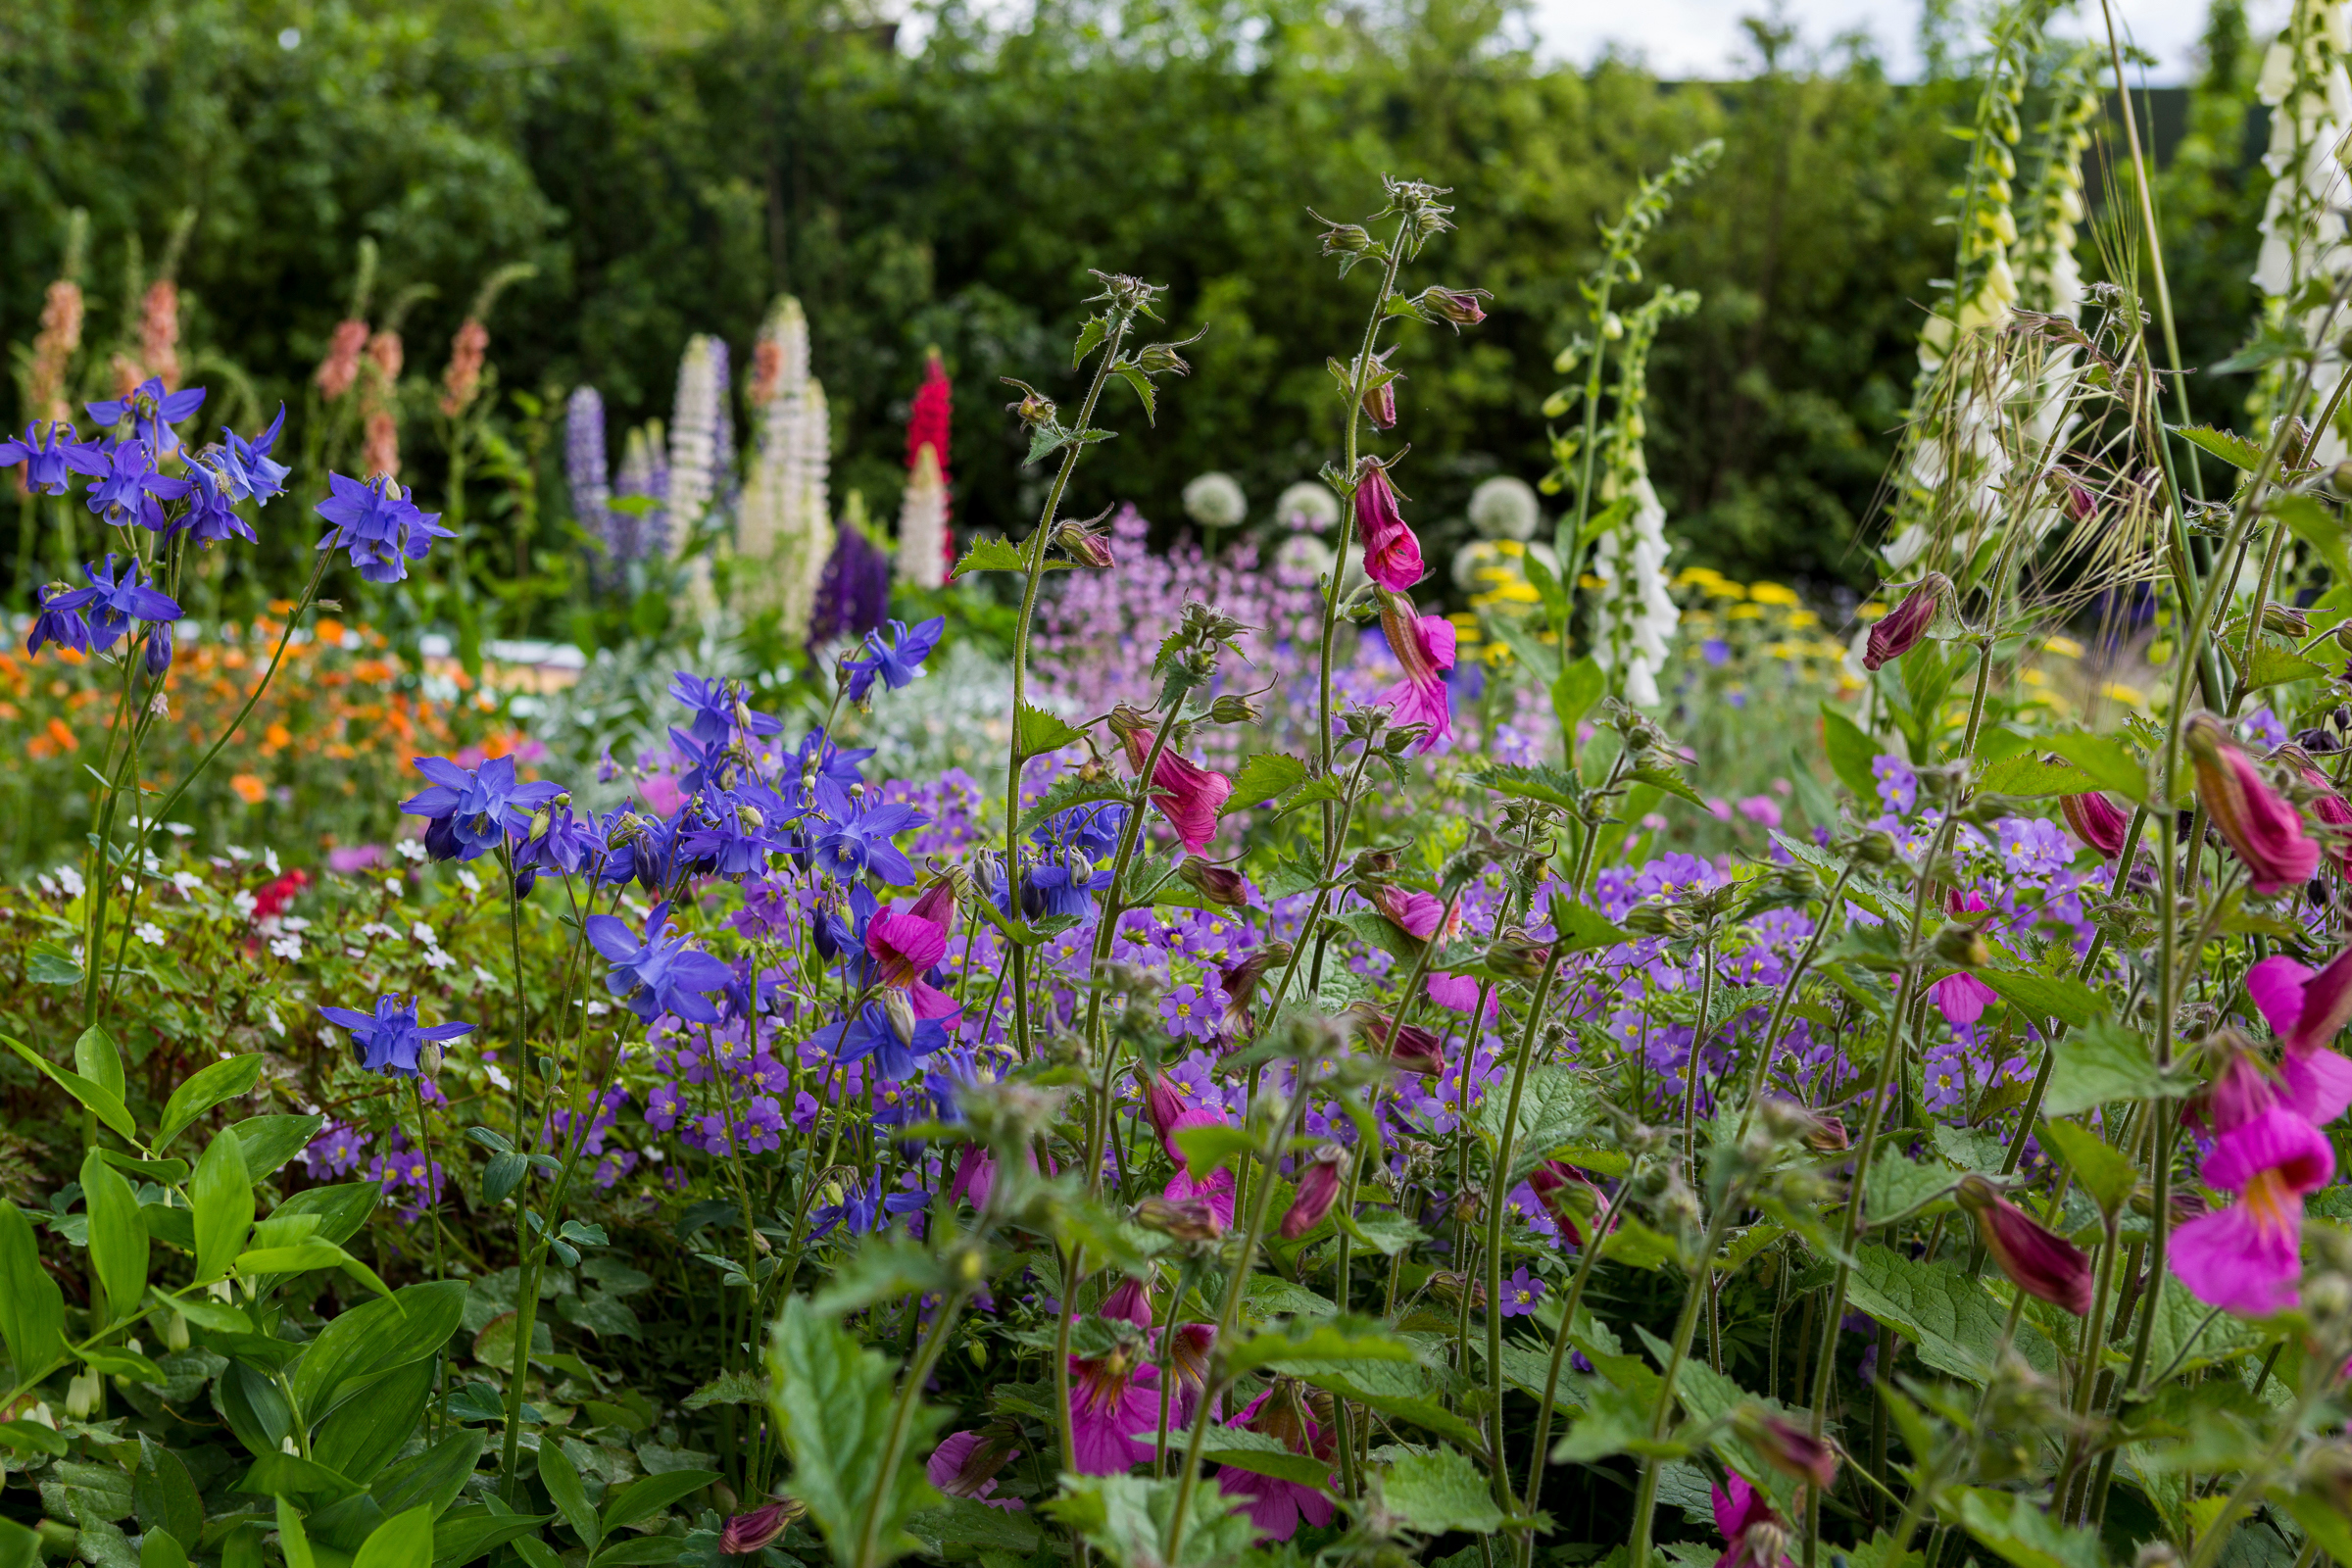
896,658
52,457
734,830
131,491
378,525
862,844
389,1040
568,846
864,1206
59,620
657,976
870,1032
156,411
713,703
117,603
212,514
836,936
827,774
473,810
246,466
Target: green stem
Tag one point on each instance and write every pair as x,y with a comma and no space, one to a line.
1694,1297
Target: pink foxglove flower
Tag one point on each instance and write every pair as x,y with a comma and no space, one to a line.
1276,1506
1962,997
904,949
1317,1187
747,1533
2260,823
2328,807
1391,551
1424,645
1130,1300
2247,1258
1569,1197
2306,1011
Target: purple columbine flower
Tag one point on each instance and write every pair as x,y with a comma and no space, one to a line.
212,514
52,457
473,810
896,658
713,703
389,1039
155,409
246,467
59,620
863,844
655,975
116,602
378,525
129,490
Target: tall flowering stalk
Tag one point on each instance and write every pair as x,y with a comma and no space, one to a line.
925,549
2305,253
589,474
784,532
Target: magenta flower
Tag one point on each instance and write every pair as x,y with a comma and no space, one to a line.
2037,1261
1559,1186
1753,1534
2097,821
1392,554
2329,807
1130,1300
904,948
1277,1506
1186,794
1114,1412
1906,623
1209,1198
748,1532
2261,824
2247,1258
1962,997
2306,1011
1317,1188
966,1465
1424,645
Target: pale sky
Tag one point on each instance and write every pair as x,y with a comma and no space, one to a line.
1703,38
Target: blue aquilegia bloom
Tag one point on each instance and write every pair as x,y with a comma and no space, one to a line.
864,1205
378,525
212,514
897,1043
713,703
568,846
130,491
247,470
658,975
52,457
59,620
896,657
473,810
156,411
827,774
116,602
389,1039
863,844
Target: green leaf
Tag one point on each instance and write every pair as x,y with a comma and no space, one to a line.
2276,663
2041,995
160,1549
1667,782
1850,753
562,1478
880,1270
1089,338
206,1088
107,1106
50,963
434,1478
1523,782
364,1435
1580,929
1037,732
1327,1340
2227,445
1126,1519
1400,1391
833,1404
289,1475
1616,1420
2015,1527
2317,527
991,554
1573,695
268,1142
32,1306
373,1338
999,1534
1237,1449
293,1541
20,1547
1266,776
98,1058
1949,1316
1441,1491
642,1549
1206,1148
404,1541
2023,773
461,1535
2110,763
1897,1187
2103,1061
118,1235
1542,659
645,1497
1133,377
30,1437
2103,1171
728,1387
1071,789
1556,1109
223,1194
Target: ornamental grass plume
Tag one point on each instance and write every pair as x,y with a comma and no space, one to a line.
2262,826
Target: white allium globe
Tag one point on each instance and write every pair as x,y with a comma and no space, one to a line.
1215,501
1308,504
1505,508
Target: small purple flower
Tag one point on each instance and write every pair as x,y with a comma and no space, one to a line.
1193,1011
713,705
246,467
59,620
657,976
894,1041
378,525
1899,786
898,657
52,457
118,601
155,409
129,490
663,1106
389,1039
863,844
473,810
1716,652
1520,1293
2032,846
212,514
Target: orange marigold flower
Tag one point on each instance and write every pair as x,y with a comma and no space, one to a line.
249,788
60,737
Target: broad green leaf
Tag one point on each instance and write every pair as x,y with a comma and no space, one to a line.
2317,527
223,1194
463,1535
2015,1526
2023,773
1532,782
1266,776
728,1387
268,1142
562,1478
1953,1319
118,1235
2102,1061
641,1550
404,1541
289,1475
2041,995
1340,1342
364,1435
1615,1421
1667,782
32,1306
292,1539
371,1338
107,1106
121,1363
2100,1170
206,1088
833,1403
990,555
1540,659
50,963
883,1269
2227,444
31,1438
1555,1109
20,1547
338,1212
1125,1518
1037,732
433,1479
645,1497
1851,755
2110,763
98,1058
160,1549
1208,1147
1398,1389
1581,929
1578,687
2185,1324
1897,1187
1441,1491
1239,1449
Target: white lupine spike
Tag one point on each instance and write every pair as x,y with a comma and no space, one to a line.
786,526
693,441
923,522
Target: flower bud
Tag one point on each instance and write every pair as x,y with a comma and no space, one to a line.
900,1011
1786,1447
429,1056
2097,821
1568,1196
1450,1287
1963,945
1160,358
1515,954
2037,1261
1901,630
1190,1220
2261,825
1656,920
1347,239
748,1532
1084,544
1828,1136
1234,708
82,1393
1457,306
1033,407
2286,620
158,648
1876,848
1219,884
1409,1047
1317,1185
1380,404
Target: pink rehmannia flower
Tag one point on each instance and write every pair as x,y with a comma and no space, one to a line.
2306,1010
1754,1535
966,1465
2329,807
904,949
1392,553
1424,645
2260,823
1186,794
1425,915
1276,1506
2247,1258
1114,1412
1961,997
2097,821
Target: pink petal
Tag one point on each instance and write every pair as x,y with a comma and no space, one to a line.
2277,986
2317,1084
2326,1005
1459,992
2232,1261
2277,1140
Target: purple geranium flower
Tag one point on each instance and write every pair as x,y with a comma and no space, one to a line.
656,975
155,409
897,658
389,1040
51,456
473,810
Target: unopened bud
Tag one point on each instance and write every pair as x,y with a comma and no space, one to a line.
901,1011
1317,1185
1217,884
1380,404
1458,306
1516,954
1903,626
1084,545
1235,708
1159,359
1962,946
430,1057
2285,619
1347,239
1786,1447
2037,1261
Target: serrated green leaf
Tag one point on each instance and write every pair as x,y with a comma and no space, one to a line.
1667,782
2227,445
1898,1186
1133,377
1333,1340
2041,995
2276,663
1441,1491
1536,782
2103,1171
2025,774
1126,1519
2015,1527
1266,776
2100,1062
1951,1318
833,1402
1037,732
993,554
2111,765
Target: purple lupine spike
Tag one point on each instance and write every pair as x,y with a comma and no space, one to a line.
854,595
586,468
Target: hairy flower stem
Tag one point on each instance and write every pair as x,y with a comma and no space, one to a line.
432,1201
893,1443
1597,1228
1498,1200
1035,548
1831,908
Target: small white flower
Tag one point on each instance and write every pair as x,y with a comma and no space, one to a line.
287,946
148,932
237,852
355,953
71,880
269,1018
435,959
394,886
48,884
420,932
469,882
596,1009
410,849
178,831
243,905
294,922
187,882
128,883
270,860
484,975
377,928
